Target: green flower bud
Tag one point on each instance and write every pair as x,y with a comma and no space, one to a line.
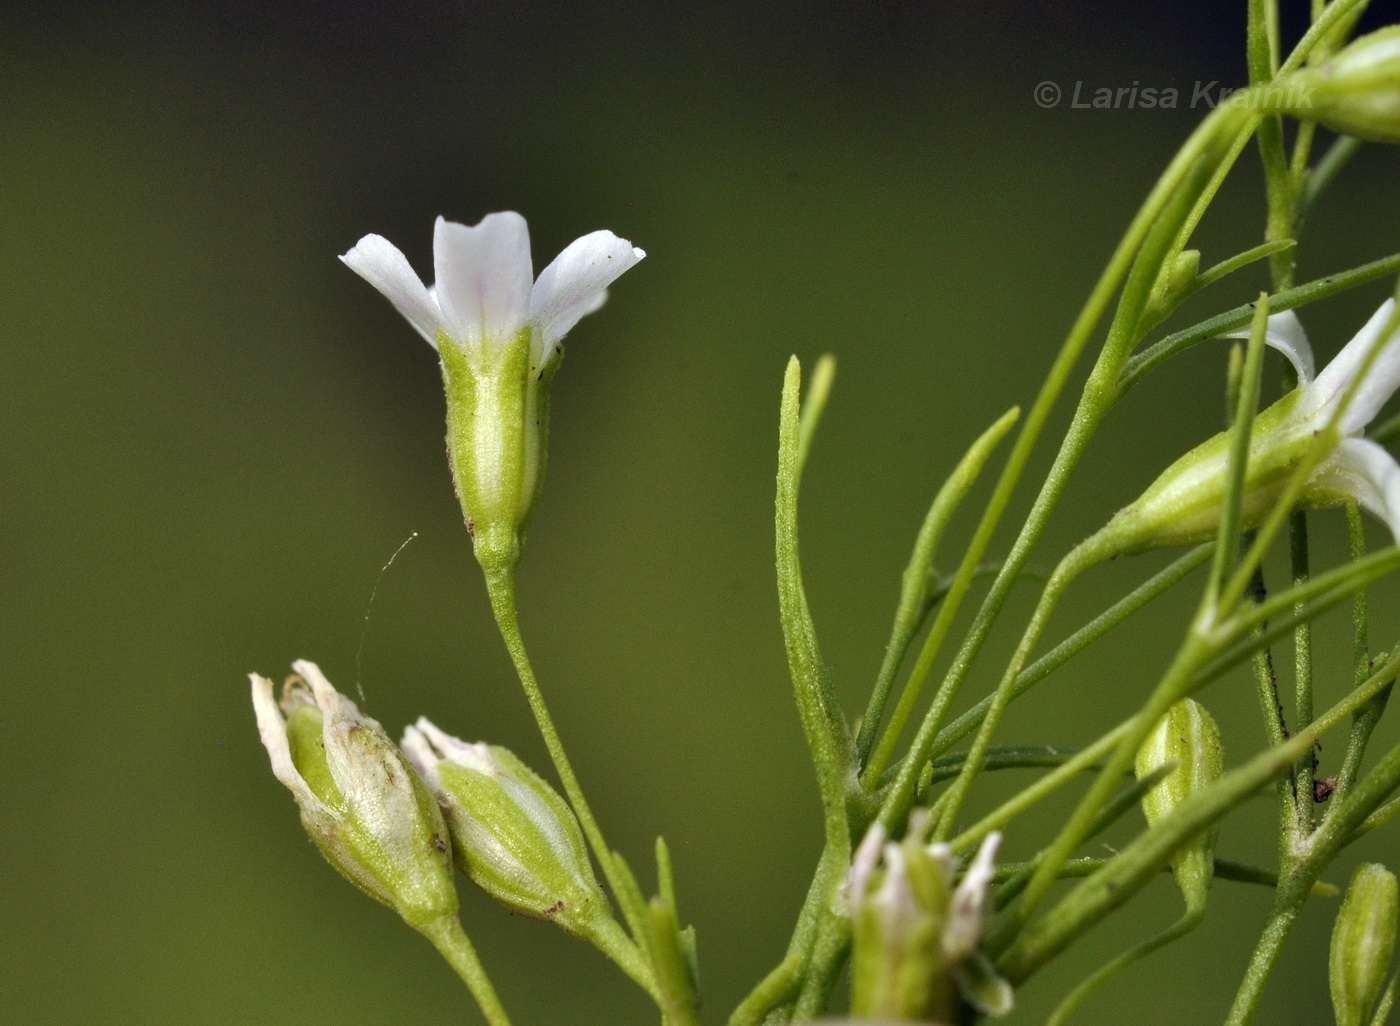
915,937
498,334
1356,92
362,803
1174,283
513,834
1187,736
1363,941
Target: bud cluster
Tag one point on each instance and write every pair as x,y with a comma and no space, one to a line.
916,935
390,819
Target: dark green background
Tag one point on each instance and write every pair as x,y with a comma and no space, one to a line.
215,435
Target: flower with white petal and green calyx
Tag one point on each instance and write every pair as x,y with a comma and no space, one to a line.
1183,506
362,803
916,937
497,329
513,834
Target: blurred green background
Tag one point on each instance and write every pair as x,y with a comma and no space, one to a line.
215,435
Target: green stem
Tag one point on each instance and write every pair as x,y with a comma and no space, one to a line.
451,941
612,940
1232,320
1302,799
915,595
772,990
1174,685
1151,230
1076,643
1076,562
1083,760
1366,719
500,586
1114,966
1261,963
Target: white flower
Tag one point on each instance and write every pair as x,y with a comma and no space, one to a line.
1182,507
1357,469
486,293
497,330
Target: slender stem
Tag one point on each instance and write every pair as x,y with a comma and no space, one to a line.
1174,685
1084,759
1387,1002
1271,709
1076,643
1224,869
1247,404
1261,963
915,597
1325,172
1114,966
1098,396
1113,810
1302,679
771,991
1231,320
1076,562
1365,721
500,586
612,940
451,941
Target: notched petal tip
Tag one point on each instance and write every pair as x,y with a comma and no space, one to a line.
484,275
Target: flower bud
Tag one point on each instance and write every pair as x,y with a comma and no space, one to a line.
513,834
915,936
1363,941
362,803
1187,736
1174,283
1357,91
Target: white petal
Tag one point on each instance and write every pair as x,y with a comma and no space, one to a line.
575,284
418,751
1326,392
341,714
483,278
1285,333
379,262
965,914
863,865
272,728
1367,473
477,756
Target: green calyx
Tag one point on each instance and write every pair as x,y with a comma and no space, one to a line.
1188,738
1363,943
899,970
380,826
497,427
1183,506
518,840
